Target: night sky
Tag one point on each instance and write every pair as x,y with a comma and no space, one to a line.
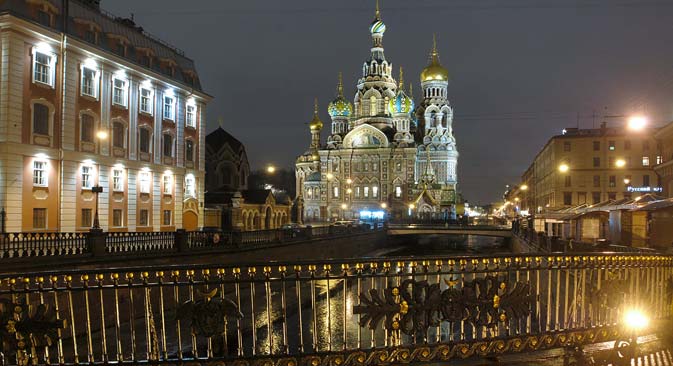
521,70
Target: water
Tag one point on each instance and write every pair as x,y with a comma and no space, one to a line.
444,245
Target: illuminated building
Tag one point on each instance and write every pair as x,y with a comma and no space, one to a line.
86,100
664,168
384,152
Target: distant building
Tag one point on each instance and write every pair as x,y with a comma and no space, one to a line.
589,166
385,153
229,204
87,100
664,168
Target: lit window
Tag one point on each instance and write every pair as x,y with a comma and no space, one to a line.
611,145
85,218
168,145
398,191
40,218
89,81
43,68
146,100
660,160
190,119
190,186
40,119
167,218
117,218
189,150
86,131
335,192
117,180
357,192
372,106
144,218
646,161
366,190
168,184
375,191
39,173
169,108
309,193
144,178
87,177
144,142
119,92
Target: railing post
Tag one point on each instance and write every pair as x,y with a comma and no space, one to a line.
97,242
181,243
309,232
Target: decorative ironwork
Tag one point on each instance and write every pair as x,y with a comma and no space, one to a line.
22,330
209,314
415,306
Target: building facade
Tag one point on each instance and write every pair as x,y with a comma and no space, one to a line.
89,100
589,166
664,168
385,153
227,166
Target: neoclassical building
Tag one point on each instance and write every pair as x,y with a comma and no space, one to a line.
385,152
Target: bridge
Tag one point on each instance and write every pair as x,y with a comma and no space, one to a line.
424,229
340,312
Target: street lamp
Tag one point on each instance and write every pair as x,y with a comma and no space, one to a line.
96,189
524,187
384,205
270,169
563,168
627,181
101,134
620,163
637,123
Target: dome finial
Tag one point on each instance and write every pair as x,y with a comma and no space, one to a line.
315,106
316,123
401,85
411,90
378,12
434,70
340,87
434,44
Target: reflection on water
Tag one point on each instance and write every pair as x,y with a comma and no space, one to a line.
442,245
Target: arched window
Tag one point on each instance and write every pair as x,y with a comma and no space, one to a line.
144,140
86,128
189,150
372,106
40,119
309,193
168,145
118,134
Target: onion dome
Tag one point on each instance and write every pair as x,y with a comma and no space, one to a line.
340,107
316,123
434,71
377,27
401,103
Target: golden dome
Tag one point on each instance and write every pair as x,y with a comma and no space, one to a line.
316,123
434,71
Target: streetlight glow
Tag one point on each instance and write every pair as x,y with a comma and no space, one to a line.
627,181
384,205
563,168
620,163
637,123
636,319
270,169
101,135
344,206
411,206
524,187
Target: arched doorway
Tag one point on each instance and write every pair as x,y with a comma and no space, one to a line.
190,221
267,218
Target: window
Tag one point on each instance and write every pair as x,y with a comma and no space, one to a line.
398,191
169,110
144,218
357,192
39,173
85,218
89,85
366,191
627,144
90,36
168,145
145,60
86,132
612,196
365,167
167,218
597,162
595,197
40,119
611,145
372,106
581,198
190,186
375,191
375,167
335,192
566,146
117,218
43,68
190,118
117,180
597,146
144,182
646,161
567,198
121,49
146,100
118,135
40,218
87,178
44,18
189,150
309,193
660,159
646,180
611,161
568,181
613,181
597,180
168,184
144,140
119,92
398,166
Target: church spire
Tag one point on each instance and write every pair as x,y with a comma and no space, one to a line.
401,84
340,86
378,11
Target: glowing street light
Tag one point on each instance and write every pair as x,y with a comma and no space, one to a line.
637,123
524,187
563,168
620,163
270,169
516,199
411,206
627,181
384,205
101,134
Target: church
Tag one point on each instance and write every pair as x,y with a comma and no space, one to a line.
386,155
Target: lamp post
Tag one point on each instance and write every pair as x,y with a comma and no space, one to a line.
96,224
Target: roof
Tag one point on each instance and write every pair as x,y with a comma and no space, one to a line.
656,205
313,177
257,196
216,139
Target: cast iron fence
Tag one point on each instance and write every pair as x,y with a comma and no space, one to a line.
345,312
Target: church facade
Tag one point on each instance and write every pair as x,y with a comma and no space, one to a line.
385,154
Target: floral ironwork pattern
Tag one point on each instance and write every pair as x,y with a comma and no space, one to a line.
415,306
22,329
209,314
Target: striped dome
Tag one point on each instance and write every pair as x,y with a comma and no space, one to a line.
401,103
377,27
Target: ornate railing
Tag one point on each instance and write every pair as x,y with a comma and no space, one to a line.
19,245
346,312
125,242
